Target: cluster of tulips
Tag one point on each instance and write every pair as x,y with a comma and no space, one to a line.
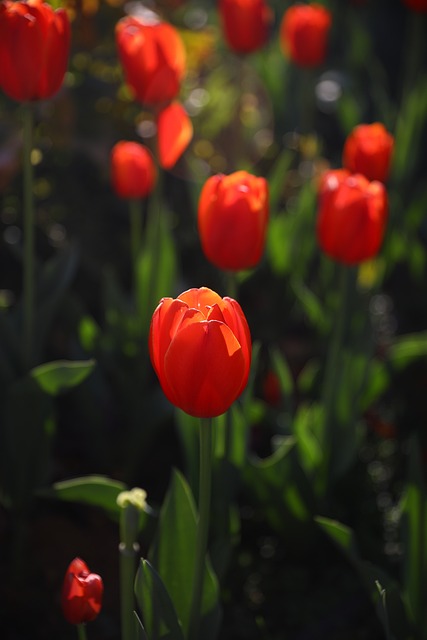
200,342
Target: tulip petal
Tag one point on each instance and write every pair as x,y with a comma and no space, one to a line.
204,366
174,134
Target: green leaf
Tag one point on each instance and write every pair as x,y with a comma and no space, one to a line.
275,178
59,376
140,631
283,372
341,534
98,491
156,605
406,349
307,426
174,558
310,304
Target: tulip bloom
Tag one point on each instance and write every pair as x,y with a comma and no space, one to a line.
352,216
174,134
153,58
81,593
368,150
200,348
34,48
245,23
416,5
232,220
133,173
303,33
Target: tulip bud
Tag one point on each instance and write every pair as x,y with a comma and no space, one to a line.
245,23
34,48
232,220
81,593
368,150
352,216
200,348
303,33
133,172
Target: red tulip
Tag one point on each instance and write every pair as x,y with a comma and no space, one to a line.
245,23
232,220
34,48
303,33
352,216
416,5
174,134
133,173
368,150
153,58
200,348
81,593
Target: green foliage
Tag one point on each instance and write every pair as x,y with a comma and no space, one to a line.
56,377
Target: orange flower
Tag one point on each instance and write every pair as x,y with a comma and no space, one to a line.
303,33
352,216
245,23
174,134
34,48
416,5
200,348
232,220
133,173
153,58
368,150
81,593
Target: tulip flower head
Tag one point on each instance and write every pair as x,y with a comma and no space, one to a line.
368,150
200,348
232,219
352,216
81,593
34,49
133,173
416,5
245,23
304,32
152,56
174,134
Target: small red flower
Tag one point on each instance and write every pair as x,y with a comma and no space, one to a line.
352,217
81,593
245,23
303,33
133,173
153,58
200,348
174,134
34,48
232,219
416,5
368,150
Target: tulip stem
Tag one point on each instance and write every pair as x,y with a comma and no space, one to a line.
202,525
81,632
28,229
135,236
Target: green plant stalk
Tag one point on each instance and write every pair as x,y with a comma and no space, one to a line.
28,229
205,478
135,215
128,552
332,373
81,632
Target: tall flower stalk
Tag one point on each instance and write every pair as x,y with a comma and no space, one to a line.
28,225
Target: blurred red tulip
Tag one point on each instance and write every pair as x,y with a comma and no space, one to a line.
133,173
303,33
368,150
232,218
245,23
81,593
153,58
352,217
174,134
200,348
34,48
416,5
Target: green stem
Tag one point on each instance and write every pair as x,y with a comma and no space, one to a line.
81,632
333,369
203,525
135,215
28,225
127,579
